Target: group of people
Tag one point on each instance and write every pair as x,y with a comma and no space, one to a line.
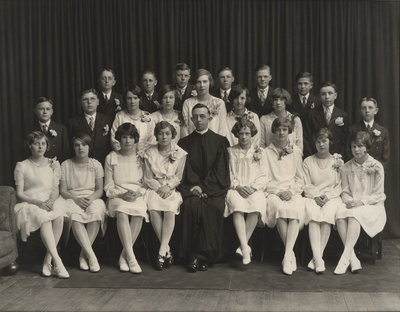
185,151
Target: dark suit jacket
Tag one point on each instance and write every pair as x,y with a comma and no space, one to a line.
254,103
58,141
316,121
228,103
380,149
109,107
149,105
100,135
179,101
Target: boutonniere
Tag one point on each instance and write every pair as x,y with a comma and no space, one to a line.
117,105
145,117
193,93
248,116
339,121
140,157
376,132
257,153
53,133
288,149
214,110
338,161
173,156
312,106
53,162
106,129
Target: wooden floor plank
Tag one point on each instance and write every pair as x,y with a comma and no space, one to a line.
385,301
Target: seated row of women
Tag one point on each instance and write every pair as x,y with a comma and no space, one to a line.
266,187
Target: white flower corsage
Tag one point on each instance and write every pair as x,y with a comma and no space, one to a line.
117,105
106,129
140,157
173,156
145,117
338,161
376,132
312,106
339,121
53,162
257,153
288,149
91,166
193,93
53,133
214,110
371,168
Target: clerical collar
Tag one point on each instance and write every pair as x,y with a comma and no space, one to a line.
201,132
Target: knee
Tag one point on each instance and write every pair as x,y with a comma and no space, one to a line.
121,216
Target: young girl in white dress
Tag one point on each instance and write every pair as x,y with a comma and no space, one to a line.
322,190
133,114
363,193
81,186
164,164
36,180
280,100
249,177
167,111
203,82
285,206
239,97
125,191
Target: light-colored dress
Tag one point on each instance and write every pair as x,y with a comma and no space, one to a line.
247,168
175,121
232,118
322,177
164,170
286,175
38,182
218,115
144,124
365,183
296,137
124,173
80,180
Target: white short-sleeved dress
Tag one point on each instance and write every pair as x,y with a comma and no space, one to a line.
175,121
296,137
38,183
144,124
80,181
322,177
164,170
123,173
365,183
247,168
232,118
286,175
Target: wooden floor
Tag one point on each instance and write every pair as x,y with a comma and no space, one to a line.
27,291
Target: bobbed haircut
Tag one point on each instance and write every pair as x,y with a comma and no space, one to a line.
304,75
237,90
84,138
182,66
329,84
35,136
282,122
280,93
127,129
203,72
135,89
244,123
369,99
42,99
165,89
199,105
361,138
323,133
162,125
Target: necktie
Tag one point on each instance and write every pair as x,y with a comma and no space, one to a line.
328,115
304,101
91,123
225,96
263,96
368,127
44,128
105,97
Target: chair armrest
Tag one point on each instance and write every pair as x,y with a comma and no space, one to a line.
7,214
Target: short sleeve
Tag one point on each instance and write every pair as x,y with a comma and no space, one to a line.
55,165
98,169
63,170
19,173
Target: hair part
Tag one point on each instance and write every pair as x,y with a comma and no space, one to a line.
280,93
182,66
244,122
127,129
361,138
237,90
165,89
90,90
84,138
199,105
282,122
304,75
329,84
323,133
369,99
262,67
42,99
134,89
203,72
35,136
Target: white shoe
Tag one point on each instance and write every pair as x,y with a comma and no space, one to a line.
123,265
83,264
60,271
287,266
319,265
47,270
94,266
294,262
310,265
342,266
246,255
239,251
355,264
134,267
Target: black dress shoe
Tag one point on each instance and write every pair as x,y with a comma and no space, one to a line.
193,266
160,263
169,259
12,268
203,266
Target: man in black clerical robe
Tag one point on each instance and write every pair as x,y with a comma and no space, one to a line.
204,185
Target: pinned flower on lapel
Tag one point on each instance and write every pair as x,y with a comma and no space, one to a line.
53,133
312,106
338,161
257,153
145,117
288,149
173,156
193,93
140,154
106,129
53,162
371,168
117,105
376,132
214,110
339,121
91,165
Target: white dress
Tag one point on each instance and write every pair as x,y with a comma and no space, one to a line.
144,124
320,181
296,137
218,115
80,181
365,183
38,183
176,121
124,173
247,169
232,118
164,170
286,175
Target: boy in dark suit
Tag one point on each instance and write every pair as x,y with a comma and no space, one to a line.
260,97
183,90
330,116
55,132
225,82
110,102
93,123
380,148
149,100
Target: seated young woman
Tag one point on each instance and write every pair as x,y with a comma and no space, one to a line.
249,177
36,180
322,189
164,164
285,206
81,186
363,193
125,191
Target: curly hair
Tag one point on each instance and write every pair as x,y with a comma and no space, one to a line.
244,123
127,129
162,125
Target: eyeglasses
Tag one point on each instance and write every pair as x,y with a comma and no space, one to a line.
87,100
